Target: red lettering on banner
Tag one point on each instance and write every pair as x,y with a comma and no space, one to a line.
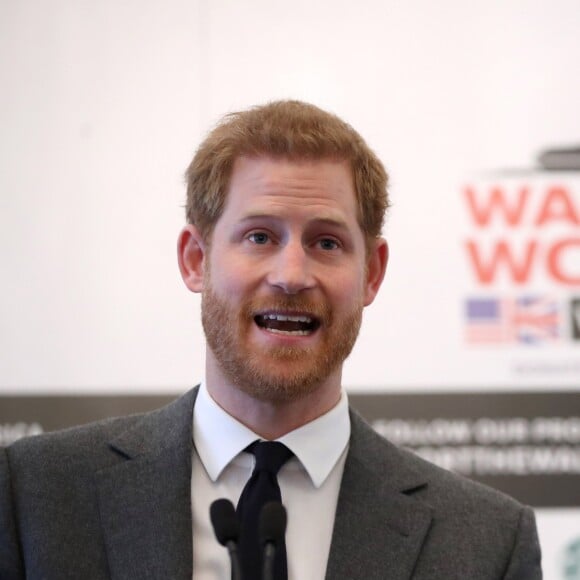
496,202
558,206
486,269
530,211
554,262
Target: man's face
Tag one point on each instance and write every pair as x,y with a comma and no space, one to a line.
285,277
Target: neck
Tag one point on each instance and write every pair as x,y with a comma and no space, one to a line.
271,420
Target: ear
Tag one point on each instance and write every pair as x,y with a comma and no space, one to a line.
376,268
191,257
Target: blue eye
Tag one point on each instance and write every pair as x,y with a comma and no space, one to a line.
328,244
259,238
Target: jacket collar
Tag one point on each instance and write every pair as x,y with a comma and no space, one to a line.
145,497
379,527
145,503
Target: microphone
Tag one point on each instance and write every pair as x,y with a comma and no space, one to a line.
226,528
272,527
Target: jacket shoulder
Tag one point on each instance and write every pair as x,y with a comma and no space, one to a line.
412,474
92,443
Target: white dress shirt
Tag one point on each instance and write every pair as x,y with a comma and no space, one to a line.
309,484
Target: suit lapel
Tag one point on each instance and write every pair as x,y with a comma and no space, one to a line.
145,498
145,504
379,527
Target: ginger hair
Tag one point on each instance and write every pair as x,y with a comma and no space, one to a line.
291,130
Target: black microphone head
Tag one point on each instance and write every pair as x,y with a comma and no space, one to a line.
224,520
272,525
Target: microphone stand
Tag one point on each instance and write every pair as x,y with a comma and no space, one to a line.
227,531
272,527
232,548
269,558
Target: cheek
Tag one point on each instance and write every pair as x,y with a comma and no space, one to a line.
345,292
233,283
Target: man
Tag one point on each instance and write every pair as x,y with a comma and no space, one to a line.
285,207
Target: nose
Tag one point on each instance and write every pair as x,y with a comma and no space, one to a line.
291,269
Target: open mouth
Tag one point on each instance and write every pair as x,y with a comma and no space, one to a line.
288,324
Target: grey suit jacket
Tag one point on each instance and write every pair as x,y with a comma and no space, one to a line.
112,501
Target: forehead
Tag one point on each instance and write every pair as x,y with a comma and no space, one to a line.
274,184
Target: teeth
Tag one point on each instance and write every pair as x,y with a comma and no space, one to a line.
289,332
284,317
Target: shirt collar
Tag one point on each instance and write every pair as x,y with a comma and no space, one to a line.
219,438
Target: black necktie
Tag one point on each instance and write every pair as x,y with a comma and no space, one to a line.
261,488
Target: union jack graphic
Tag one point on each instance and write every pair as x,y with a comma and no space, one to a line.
531,320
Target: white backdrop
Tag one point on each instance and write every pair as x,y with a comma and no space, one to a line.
102,106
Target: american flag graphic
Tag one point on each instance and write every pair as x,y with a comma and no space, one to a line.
522,320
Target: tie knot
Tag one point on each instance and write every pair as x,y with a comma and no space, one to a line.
270,455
